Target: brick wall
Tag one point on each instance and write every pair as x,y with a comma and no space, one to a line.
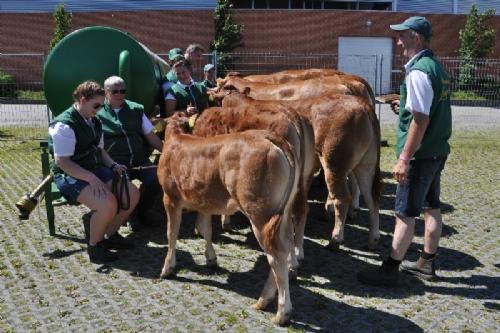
284,31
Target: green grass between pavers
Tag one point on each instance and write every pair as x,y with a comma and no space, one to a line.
462,95
24,133
470,183
30,95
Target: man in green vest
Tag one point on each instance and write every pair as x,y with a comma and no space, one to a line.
128,138
186,95
421,148
170,78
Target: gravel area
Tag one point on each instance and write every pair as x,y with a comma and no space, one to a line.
47,284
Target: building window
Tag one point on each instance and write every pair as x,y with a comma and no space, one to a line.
278,4
313,4
242,4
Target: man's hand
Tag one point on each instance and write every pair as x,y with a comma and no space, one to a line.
395,106
191,110
400,171
98,187
119,168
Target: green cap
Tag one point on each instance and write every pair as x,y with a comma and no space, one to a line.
175,53
416,23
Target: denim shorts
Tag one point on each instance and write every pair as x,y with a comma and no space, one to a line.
422,189
71,187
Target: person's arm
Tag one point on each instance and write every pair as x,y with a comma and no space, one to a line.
170,105
154,141
151,137
416,132
419,100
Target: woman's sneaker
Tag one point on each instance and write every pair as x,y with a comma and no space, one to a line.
98,253
422,268
117,242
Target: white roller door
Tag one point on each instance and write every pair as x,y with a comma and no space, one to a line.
368,57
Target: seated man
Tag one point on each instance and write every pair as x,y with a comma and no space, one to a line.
128,138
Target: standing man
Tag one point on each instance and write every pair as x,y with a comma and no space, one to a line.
422,148
194,54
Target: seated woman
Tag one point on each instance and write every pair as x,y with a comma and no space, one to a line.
83,171
185,95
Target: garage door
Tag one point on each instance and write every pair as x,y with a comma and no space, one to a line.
368,57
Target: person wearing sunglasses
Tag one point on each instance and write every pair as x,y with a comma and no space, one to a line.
186,95
129,139
83,172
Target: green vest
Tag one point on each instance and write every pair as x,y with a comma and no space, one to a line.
123,137
183,98
208,84
435,140
87,153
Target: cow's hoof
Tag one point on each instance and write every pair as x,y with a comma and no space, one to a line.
333,246
281,319
212,263
293,274
166,273
260,304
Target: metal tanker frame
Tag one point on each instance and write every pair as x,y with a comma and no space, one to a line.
95,53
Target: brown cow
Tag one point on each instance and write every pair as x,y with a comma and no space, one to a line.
293,75
253,172
356,85
284,122
347,139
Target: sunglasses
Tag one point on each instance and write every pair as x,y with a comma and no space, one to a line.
97,106
118,91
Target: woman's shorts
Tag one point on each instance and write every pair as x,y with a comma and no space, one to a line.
422,188
71,187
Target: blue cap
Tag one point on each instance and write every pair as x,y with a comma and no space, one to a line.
416,23
208,67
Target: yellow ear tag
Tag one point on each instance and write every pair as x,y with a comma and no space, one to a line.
192,120
159,127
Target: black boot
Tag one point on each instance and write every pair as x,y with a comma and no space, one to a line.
422,268
386,275
86,225
118,242
98,253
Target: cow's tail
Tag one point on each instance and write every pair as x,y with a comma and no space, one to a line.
271,229
377,179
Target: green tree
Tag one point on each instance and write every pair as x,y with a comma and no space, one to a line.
228,34
476,41
62,22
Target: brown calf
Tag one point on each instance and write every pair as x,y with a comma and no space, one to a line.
253,172
284,122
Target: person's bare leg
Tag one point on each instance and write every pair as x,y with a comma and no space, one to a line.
433,229
403,235
104,208
120,218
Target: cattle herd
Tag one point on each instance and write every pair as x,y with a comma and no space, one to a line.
258,152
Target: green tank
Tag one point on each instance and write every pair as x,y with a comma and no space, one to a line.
96,53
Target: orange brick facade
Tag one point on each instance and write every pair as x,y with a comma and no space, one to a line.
273,31
294,31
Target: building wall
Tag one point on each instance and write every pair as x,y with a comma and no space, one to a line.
296,31
271,31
